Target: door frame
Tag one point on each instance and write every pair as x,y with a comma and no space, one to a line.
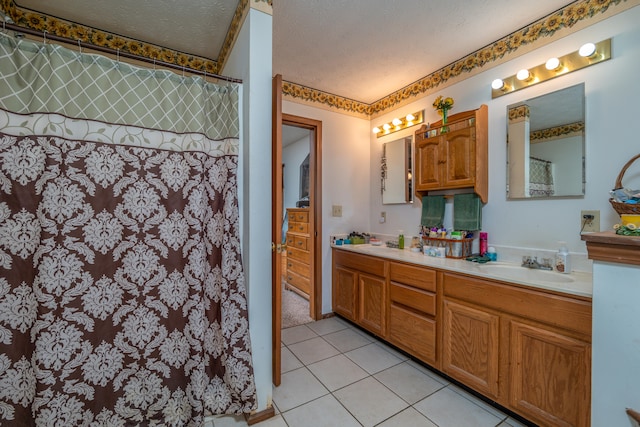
315,207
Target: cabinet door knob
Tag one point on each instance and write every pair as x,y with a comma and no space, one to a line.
289,265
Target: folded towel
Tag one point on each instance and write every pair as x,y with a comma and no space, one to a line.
432,211
467,212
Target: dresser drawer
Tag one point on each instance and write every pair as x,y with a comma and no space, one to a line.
299,217
298,242
299,282
299,227
418,300
299,267
298,255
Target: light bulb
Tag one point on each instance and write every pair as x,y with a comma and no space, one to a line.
523,74
587,50
410,117
376,129
552,64
497,84
386,126
396,122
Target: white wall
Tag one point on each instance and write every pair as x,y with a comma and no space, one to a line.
250,60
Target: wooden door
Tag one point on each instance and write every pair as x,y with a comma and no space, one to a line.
550,375
460,154
428,164
276,230
470,350
372,297
345,287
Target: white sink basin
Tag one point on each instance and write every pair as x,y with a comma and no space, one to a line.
523,273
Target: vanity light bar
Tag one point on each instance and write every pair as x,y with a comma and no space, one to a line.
397,124
588,54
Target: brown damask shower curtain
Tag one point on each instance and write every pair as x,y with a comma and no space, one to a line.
122,295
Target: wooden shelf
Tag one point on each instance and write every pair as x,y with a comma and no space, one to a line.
608,246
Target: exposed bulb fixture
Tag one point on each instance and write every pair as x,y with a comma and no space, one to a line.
397,124
587,50
553,64
589,54
524,75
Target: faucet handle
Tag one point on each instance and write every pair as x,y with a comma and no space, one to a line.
546,262
526,259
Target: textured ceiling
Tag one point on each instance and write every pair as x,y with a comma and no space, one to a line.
363,50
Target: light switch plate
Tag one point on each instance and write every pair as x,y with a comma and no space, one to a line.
336,210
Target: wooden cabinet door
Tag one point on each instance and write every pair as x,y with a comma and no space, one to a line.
460,155
470,344
428,164
372,298
550,376
345,286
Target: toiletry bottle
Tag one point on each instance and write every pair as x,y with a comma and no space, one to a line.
401,240
483,243
491,253
563,260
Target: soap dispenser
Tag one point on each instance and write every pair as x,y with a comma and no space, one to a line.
563,260
401,240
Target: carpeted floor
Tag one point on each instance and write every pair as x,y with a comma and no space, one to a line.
295,309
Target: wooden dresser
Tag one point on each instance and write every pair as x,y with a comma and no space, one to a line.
298,267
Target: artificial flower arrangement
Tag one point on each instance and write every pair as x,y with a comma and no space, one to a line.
442,105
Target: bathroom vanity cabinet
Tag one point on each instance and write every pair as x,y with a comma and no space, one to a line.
525,348
454,159
298,271
360,290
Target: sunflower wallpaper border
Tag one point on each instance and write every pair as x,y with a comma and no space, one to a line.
565,18
74,31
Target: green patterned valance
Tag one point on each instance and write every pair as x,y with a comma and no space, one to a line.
36,77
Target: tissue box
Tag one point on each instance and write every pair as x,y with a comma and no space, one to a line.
357,240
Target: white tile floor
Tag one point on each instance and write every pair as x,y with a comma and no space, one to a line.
333,374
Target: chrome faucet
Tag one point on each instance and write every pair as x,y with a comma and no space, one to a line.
532,262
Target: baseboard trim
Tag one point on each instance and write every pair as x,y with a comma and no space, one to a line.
256,417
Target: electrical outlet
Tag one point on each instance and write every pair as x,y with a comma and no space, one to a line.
383,217
336,210
589,221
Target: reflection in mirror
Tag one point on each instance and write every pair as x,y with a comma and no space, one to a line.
396,179
545,145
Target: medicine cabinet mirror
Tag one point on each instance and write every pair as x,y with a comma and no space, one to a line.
396,174
545,146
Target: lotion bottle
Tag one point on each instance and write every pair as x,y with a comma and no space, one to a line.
563,259
401,240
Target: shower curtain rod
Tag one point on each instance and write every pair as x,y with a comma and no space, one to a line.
46,35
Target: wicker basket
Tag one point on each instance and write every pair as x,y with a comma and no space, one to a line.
620,207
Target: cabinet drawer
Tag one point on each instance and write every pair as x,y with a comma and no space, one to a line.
298,281
414,276
299,227
298,255
298,242
419,300
371,265
413,333
298,267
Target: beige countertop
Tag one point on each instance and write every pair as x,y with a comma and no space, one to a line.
576,283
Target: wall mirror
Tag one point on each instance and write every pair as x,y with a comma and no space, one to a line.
396,174
545,145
